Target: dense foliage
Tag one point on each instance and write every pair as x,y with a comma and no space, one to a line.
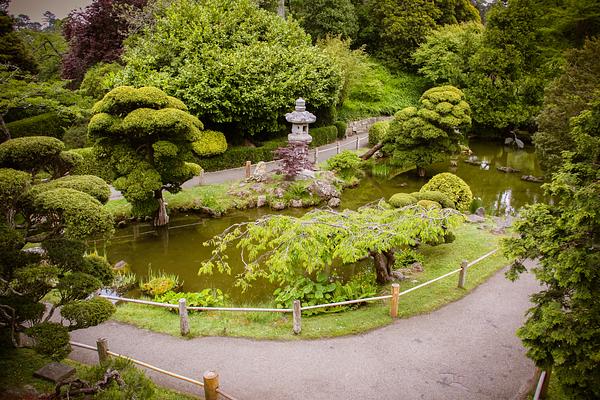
456,190
321,18
13,52
239,68
95,34
431,133
145,136
562,328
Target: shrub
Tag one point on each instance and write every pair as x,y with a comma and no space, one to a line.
90,184
452,186
98,79
85,313
90,165
323,135
236,157
342,127
99,267
77,286
436,196
210,143
347,164
48,124
205,298
75,137
64,253
400,200
137,384
160,283
51,339
378,132
428,204
124,282
30,153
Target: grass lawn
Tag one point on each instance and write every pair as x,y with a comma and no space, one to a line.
18,366
470,244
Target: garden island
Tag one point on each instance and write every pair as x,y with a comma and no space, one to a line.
265,199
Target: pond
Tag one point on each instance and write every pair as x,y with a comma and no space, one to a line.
179,249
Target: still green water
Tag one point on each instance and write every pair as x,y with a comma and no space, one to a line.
179,249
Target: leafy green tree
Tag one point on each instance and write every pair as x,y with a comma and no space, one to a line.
280,247
13,52
393,29
321,18
566,97
145,136
239,68
47,48
59,214
431,133
561,331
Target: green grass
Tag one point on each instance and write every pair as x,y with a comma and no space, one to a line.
381,92
18,366
470,244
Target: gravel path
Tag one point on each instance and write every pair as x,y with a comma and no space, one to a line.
465,350
228,175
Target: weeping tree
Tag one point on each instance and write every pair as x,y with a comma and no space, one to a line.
430,133
281,247
59,214
145,136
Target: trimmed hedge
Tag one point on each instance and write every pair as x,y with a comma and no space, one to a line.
341,127
85,313
400,200
210,143
434,195
428,204
323,135
90,165
90,184
236,157
48,124
378,132
452,186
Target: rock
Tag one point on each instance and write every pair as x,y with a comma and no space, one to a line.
334,202
259,187
416,267
531,178
261,201
508,170
378,154
498,231
278,192
122,264
296,203
121,224
472,160
261,169
305,174
398,275
480,212
35,250
24,340
475,219
323,189
55,372
278,205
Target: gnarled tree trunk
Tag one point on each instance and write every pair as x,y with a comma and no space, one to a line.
372,151
161,218
382,269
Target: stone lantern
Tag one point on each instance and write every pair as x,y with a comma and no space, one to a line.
300,118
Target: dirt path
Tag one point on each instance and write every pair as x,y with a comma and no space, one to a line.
466,350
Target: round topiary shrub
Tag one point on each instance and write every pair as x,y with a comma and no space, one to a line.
378,132
428,204
210,143
90,184
402,200
436,196
99,267
452,186
51,339
85,313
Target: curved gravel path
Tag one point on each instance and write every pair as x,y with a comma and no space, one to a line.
465,350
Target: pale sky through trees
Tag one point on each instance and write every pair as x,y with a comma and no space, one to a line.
35,8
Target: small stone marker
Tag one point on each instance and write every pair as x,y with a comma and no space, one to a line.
55,372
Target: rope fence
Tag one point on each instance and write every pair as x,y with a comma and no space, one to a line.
297,308
210,379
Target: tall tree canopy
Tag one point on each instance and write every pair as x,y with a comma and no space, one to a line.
321,18
145,136
13,53
562,329
95,34
232,63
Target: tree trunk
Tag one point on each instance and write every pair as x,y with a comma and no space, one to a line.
5,131
421,172
391,260
373,150
381,267
161,218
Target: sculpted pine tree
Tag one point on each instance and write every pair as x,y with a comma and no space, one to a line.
431,133
145,135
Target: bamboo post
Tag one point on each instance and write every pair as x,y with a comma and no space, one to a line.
462,276
184,323
297,315
211,384
248,164
102,347
395,300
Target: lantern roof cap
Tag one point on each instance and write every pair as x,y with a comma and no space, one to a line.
300,115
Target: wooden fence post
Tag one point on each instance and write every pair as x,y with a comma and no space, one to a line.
357,142
297,315
211,384
337,147
395,300
462,276
248,164
316,155
184,323
102,347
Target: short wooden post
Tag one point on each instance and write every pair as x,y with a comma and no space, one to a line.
248,165
297,315
337,147
211,384
395,300
357,142
102,347
462,276
316,155
184,323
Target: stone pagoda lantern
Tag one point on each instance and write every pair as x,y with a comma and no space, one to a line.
300,118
